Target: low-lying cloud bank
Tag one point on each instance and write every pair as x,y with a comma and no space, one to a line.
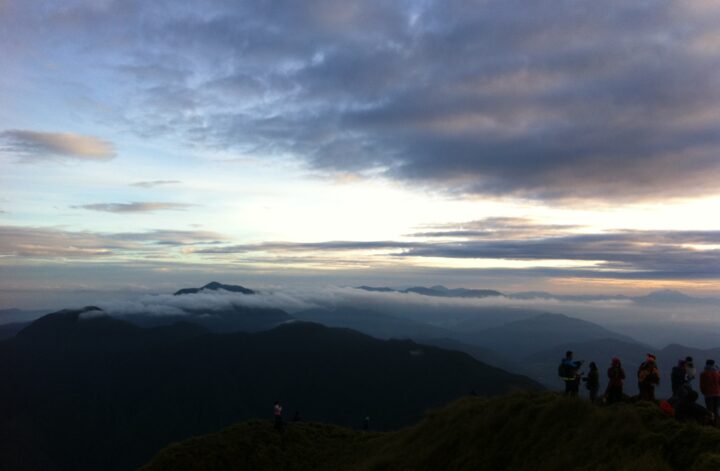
414,306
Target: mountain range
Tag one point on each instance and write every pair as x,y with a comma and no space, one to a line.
522,341
663,296
85,391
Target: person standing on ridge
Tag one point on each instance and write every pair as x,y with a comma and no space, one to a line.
366,423
690,371
678,379
569,371
648,377
616,379
710,387
592,381
277,413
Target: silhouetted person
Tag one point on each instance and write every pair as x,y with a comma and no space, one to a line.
648,377
616,380
569,372
688,410
366,423
690,371
710,387
678,379
592,381
296,417
277,413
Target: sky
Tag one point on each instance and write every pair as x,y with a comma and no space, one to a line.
565,146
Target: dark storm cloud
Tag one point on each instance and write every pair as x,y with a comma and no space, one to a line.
621,254
309,246
647,251
496,227
554,99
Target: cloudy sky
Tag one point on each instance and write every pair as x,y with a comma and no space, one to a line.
562,145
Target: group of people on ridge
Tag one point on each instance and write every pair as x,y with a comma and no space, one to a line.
682,404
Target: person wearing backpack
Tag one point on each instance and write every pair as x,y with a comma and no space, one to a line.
616,379
592,381
679,379
569,372
648,377
687,410
710,387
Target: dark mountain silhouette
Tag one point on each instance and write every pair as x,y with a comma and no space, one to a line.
504,346
215,286
660,297
540,432
10,330
84,391
675,352
478,352
460,319
380,289
371,322
90,329
669,296
438,290
14,315
521,338
525,295
442,291
232,319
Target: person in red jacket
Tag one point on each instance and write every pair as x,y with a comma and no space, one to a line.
616,378
710,387
648,378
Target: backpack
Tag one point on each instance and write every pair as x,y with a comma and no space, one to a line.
565,370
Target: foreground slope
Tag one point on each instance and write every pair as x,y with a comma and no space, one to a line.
523,431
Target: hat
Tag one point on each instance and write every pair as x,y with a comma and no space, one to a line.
710,362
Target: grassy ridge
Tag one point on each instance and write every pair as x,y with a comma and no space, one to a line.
522,431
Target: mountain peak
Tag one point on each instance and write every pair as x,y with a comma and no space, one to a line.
667,296
216,286
442,291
